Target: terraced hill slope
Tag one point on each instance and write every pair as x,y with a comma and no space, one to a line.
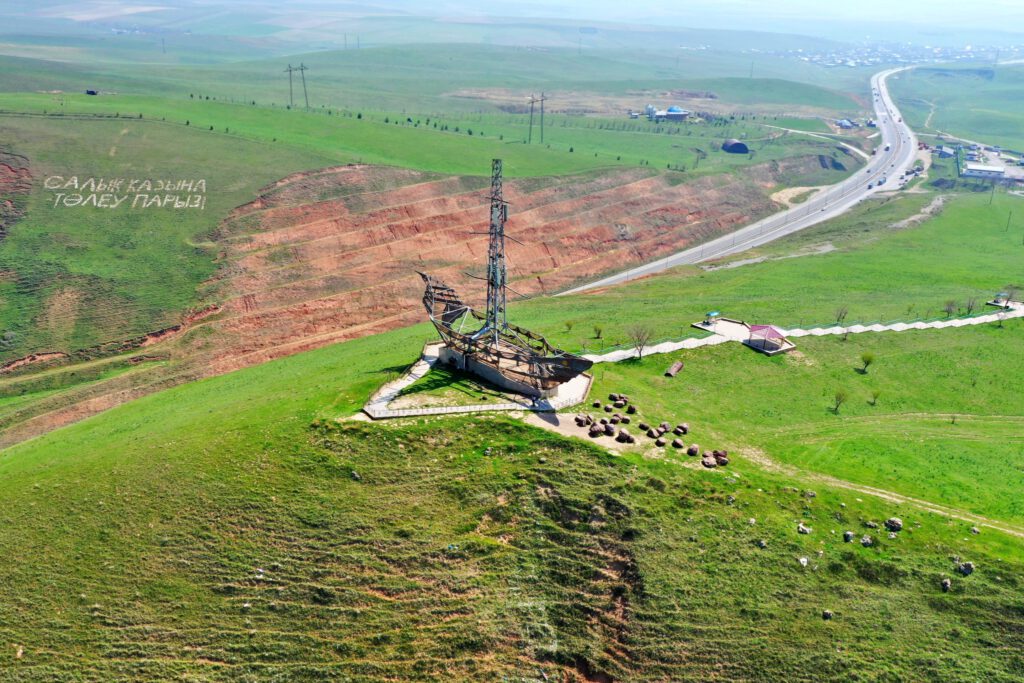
329,255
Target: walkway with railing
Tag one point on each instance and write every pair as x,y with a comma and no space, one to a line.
575,391
1015,309
378,407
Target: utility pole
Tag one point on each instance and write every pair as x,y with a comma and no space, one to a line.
993,195
302,72
542,98
529,136
1008,222
291,100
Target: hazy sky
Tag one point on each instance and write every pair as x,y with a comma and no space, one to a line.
796,16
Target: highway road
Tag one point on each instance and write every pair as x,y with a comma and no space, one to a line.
824,205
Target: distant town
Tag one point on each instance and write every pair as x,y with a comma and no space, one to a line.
905,53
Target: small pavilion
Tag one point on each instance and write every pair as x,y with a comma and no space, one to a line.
1000,300
768,339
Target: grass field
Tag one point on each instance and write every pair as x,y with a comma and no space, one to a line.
879,273
975,104
904,440
220,532
79,276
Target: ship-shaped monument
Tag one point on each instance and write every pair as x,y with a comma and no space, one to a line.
487,345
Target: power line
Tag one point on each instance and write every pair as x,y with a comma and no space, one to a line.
291,100
302,71
301,68
533,101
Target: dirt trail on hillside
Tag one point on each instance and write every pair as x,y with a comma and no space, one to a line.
762,459
15,185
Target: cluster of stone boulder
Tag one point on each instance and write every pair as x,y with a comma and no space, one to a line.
606,426
894,525
621,409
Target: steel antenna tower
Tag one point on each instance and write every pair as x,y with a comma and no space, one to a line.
302,71
290,99
496,277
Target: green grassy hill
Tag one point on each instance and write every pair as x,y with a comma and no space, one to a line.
77,276
977,104
221,531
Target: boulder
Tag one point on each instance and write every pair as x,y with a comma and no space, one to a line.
721,459
684,426
653,433
946,585
608,409
631,409
603,421
609,429
894,524
595,431
871,525
659,441
761,543
596,404
613,397
975,530
625,419
801,529
708,462
678,431
623,436
867,541
665,426
613,420
694,449
620,404
826,614
644,426
965,568
848,536
677,443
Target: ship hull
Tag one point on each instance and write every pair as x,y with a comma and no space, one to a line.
513,358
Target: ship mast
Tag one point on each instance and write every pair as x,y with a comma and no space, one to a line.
496,322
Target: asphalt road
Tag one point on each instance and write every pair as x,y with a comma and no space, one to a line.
824,205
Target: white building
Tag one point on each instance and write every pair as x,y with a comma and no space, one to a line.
982,171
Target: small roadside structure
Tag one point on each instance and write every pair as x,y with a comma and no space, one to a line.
734,146
1000,300
674,369
768,339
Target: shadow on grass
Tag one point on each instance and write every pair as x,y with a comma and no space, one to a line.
444,378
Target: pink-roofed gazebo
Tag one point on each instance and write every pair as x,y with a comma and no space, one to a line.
768,339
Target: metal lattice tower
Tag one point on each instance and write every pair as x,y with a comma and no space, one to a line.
496,278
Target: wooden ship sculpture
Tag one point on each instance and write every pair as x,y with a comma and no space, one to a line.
486,344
